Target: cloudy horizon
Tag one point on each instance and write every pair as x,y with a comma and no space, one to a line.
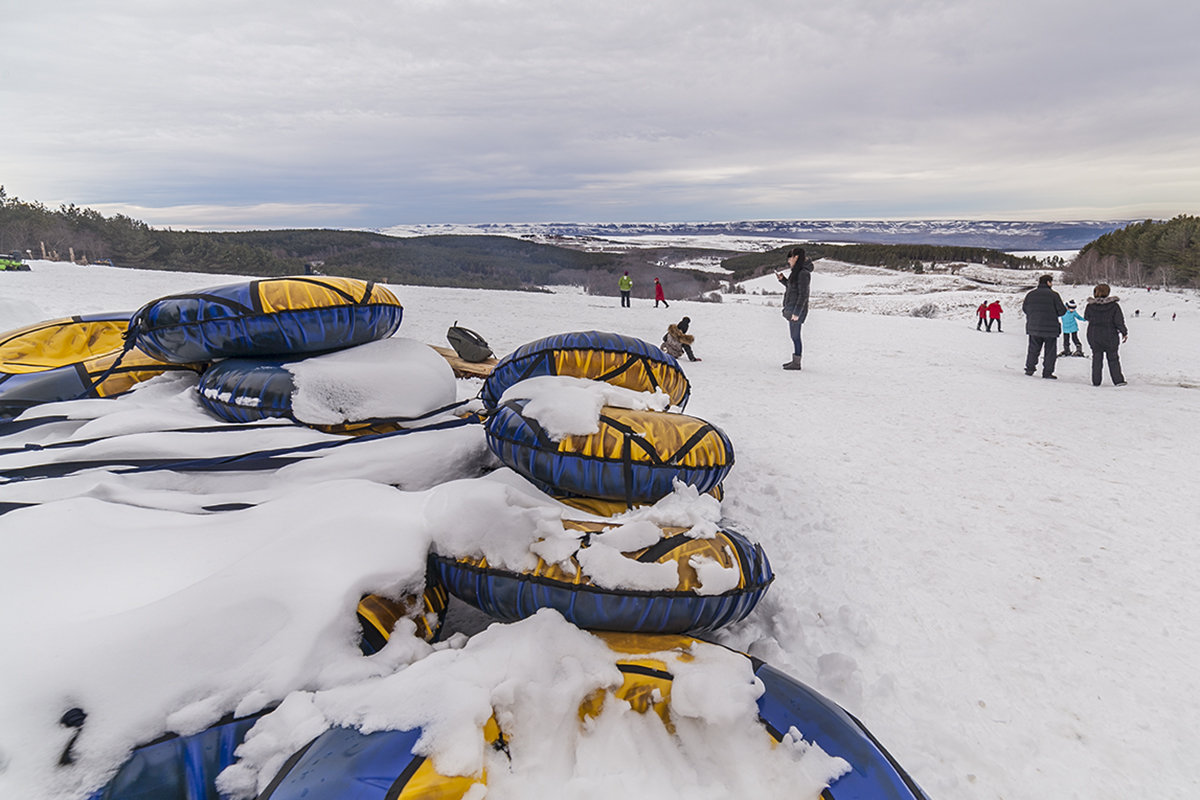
224,116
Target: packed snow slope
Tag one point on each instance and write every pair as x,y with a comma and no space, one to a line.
994,572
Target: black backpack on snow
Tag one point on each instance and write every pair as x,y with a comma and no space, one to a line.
469,345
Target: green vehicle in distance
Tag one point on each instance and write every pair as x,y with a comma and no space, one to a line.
13,263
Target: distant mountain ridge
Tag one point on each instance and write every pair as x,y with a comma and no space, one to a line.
994,234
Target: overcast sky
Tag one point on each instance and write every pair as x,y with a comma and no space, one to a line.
228,114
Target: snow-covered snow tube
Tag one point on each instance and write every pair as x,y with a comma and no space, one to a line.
378,615
64,359
385,380
717,581
267,317
635,456
610,357
344,762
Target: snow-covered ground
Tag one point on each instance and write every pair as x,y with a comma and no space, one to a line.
994,572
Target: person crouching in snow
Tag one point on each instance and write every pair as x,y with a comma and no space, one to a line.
1070,328
659,297
678,341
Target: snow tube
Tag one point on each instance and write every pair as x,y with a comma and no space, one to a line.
635,456
685,608
397,380
384,765
267,317
65,359
609,357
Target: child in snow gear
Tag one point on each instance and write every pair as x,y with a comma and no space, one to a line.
1070,330
1043,307
678,341
795,299
625,284
1105,321
994,315
659,297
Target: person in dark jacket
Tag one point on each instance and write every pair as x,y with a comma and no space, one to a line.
1105,321
1042,307
795,299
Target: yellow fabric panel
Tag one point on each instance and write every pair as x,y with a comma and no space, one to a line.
664,432
642,692
135,367
610,508
642,644
383,613
584,363
57,343
428,784
290,294
718,549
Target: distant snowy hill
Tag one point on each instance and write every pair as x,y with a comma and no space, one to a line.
998,235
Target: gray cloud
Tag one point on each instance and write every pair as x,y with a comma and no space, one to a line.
227,114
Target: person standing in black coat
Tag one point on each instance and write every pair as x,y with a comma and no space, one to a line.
1042,308
795,299
1105,321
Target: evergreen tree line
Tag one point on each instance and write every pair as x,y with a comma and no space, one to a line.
1144,253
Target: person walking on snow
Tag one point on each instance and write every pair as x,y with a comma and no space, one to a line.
678,341
1070,330
1105,321
1043,307
994,311
795,299
659,297
981,312
625,284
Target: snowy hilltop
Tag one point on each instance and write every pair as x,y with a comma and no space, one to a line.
993,572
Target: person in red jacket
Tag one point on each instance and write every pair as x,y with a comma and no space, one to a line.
994,312
981,312
659,297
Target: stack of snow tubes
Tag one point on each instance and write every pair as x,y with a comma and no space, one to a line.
634,459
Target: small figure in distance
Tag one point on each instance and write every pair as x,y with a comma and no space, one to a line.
659,296
1105,321
625,285
994,311
677,341
1070,330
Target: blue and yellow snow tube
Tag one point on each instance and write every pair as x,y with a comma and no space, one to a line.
69,358
609,357
385,765
685,608
267,317
636,456
378,615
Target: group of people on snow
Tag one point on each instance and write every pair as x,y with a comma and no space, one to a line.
989,313
1046,316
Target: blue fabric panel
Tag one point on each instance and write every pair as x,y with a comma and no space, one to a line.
19,392
343,764
875,775
178,768
226,386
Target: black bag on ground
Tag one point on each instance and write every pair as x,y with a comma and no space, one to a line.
469,345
